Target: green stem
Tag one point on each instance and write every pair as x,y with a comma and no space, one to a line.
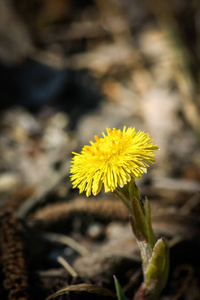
155,255
140,220
124,199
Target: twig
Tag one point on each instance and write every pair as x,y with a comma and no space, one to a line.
65,264
55,237
190,204
186,282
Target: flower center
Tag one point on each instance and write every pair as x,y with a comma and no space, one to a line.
106,147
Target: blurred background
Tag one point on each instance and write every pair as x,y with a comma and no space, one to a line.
71,68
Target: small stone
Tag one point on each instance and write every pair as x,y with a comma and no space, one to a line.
96,231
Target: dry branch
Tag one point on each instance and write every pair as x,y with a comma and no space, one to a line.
13,261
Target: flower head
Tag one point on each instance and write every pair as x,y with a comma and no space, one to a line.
112,160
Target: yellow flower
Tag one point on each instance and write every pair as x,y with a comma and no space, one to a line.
112,160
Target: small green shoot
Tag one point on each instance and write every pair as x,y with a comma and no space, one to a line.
120,293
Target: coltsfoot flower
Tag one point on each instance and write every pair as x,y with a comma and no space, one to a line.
112,160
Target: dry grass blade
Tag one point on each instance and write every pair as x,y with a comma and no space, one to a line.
66,240
83,287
